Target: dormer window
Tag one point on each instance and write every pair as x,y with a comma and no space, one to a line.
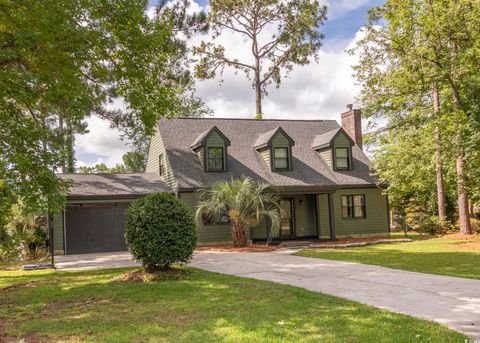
275,147
342,158
215,159
281,159
335,148
211,149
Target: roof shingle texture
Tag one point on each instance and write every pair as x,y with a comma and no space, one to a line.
308,167
111,185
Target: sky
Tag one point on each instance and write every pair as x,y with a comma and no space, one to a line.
316,91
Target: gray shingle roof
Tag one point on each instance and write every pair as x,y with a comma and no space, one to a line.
308,168
324,140
264,139
113,185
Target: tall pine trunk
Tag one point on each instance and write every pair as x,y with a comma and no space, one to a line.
258,95
61,128
462,195
442,212
69,148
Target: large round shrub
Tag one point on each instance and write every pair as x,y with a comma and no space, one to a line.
160,230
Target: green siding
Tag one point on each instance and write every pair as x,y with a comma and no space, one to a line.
156,149
215,140
376,221
265,153
57,223
323,216
341,141
207,233
279,140
326,154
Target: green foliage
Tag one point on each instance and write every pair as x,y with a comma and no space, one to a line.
412,50
24,236
424,223
283,34
475,225
135,161
64,60
160,230
244,201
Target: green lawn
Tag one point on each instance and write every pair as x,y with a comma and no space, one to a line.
94,306
451,257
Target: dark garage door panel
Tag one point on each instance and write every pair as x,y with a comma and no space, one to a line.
95,228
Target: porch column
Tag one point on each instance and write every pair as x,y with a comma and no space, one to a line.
331,217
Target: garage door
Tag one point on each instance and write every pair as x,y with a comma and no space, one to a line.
94,228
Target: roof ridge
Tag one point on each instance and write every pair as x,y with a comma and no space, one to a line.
253,119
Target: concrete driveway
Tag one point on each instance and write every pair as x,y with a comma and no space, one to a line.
106,260
452,301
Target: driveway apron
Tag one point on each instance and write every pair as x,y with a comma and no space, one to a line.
454,302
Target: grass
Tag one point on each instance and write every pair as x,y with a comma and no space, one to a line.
443,256
95,306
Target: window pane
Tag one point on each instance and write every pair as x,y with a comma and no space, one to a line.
281,153
358,212
358,200
342,162
345,211
281,163
215,152
341,152
345,200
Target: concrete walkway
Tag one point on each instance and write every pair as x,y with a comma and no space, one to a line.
452,301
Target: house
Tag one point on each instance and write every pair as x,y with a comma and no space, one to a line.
93,219
317,166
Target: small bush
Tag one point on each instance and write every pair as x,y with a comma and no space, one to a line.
424,223
160,230
475,225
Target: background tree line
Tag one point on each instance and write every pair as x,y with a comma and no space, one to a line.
420,81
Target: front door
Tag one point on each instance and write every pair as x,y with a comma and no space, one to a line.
287,222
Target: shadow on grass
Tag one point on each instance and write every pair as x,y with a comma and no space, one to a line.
206,307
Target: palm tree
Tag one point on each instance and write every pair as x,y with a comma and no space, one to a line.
244,201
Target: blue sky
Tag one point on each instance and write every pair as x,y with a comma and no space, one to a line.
316,91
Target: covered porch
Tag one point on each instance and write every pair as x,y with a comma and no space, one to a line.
303,217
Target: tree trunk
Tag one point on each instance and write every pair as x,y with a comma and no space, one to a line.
442,212
239,236
69,148
62,141
462,195
463,215
258,92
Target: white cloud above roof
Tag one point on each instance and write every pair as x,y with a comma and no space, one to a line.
316,91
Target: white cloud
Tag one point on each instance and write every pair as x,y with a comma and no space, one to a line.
316,91
103,143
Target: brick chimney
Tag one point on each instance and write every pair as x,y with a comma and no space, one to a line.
352,124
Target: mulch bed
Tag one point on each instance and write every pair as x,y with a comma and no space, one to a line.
229,248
